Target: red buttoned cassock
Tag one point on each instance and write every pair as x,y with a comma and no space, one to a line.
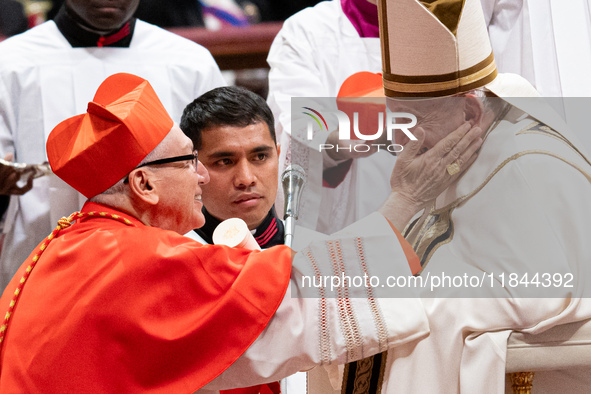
113,305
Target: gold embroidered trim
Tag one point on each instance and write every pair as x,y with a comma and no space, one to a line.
347,318
550,132
383,361
374,306
363,375
358,381
437,230
503,164
422,244
364,368
528,127
484,74
324,343
384,37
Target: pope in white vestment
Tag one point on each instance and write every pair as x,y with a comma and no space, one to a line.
518,215
44,80
520,211
320,47
517,218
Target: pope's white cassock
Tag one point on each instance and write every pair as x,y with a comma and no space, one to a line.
43,80
314,53
522,208
312,327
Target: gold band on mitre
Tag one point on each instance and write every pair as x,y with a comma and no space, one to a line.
441,85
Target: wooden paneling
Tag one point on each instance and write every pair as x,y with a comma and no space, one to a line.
235,48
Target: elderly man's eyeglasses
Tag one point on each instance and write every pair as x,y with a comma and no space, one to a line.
168,160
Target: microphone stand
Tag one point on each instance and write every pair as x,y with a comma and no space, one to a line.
293,180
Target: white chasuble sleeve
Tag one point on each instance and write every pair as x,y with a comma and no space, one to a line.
324,324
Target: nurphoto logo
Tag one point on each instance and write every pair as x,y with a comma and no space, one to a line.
402,121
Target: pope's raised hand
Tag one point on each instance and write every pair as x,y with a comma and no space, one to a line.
420,178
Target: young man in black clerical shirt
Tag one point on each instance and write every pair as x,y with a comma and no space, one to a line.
233,131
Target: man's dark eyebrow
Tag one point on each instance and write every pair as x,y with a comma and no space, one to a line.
257,149
261,148
220,154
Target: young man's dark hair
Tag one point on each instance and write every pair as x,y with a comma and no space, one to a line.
225,106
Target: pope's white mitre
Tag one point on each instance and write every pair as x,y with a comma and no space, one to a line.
434,48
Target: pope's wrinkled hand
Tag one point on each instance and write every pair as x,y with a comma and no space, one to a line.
422,177
418,178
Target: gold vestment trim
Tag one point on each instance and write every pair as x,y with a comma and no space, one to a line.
438,223
485,75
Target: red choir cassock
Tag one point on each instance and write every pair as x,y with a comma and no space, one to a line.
113,306
108,304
